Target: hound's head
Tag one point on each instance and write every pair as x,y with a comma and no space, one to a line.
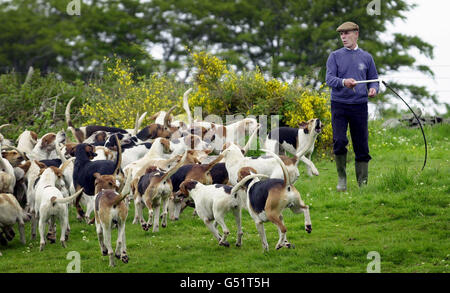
13,156
85,151
245,171
104,182
70,149
312,125
157,130
60,183
188,185
48,142
61,137
57,173
196,156
100,137
167,145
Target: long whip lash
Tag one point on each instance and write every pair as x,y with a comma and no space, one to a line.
418,121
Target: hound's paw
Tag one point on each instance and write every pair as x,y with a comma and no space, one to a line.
289,245
308,228
105,252
124,258
224,243
51,237
315,172
145,227
63,243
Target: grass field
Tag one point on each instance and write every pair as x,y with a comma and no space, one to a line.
403,214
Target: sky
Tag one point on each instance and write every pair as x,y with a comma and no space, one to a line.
429,20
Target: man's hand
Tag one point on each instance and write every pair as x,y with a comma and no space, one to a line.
350,83
372,92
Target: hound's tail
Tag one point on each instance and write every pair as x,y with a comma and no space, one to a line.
287,180
54,200
69,121
138,123
176,167
119,198
186,105
217,160
167,117
119,156
244,180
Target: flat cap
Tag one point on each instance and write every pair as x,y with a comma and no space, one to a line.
347,26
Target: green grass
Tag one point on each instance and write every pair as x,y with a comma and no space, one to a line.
403,214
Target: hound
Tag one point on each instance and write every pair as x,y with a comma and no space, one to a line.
166,119
26,141
110,209
10,213
199,172
159,147
156,188
213,202
266,201
45,149
50,203
7,177
233,132
235,160
84,169
189,142
31,171
294,139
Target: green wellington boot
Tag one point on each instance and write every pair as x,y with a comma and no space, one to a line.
362,171
341,164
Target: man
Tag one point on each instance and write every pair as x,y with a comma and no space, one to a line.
349,100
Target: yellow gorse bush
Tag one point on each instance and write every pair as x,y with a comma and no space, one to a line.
217,89
120,96
224,92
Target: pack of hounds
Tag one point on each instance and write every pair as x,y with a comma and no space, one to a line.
162,168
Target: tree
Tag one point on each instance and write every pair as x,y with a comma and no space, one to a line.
293,38
42,34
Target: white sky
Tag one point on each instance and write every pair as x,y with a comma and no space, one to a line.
430,21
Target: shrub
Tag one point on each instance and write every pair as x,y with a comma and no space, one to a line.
37,105
119,96
224,92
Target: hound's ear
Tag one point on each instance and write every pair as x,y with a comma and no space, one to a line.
304,126
97,175
41,165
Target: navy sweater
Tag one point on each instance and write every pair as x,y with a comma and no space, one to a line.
357,64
